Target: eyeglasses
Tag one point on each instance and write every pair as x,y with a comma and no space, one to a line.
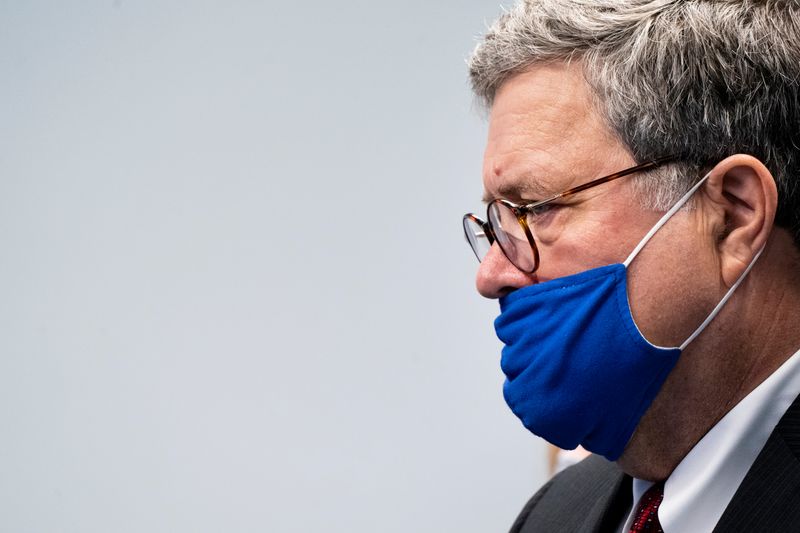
511,225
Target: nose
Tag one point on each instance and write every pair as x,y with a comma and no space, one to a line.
497,276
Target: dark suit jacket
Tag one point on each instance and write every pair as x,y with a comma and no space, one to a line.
595,496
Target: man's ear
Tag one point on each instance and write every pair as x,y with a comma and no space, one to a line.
745,191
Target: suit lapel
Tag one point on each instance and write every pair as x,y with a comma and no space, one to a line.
769,497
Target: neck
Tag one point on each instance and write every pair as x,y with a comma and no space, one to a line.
751,337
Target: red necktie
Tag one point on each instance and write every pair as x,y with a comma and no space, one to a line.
647,511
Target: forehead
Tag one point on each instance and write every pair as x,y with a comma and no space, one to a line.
545,135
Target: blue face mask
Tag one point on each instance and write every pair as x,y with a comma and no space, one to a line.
578,371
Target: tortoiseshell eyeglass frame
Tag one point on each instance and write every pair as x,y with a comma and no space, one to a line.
521,211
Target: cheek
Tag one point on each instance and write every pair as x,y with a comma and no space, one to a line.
586,240
672,287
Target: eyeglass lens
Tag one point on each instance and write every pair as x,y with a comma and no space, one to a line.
508,231
476,236
511,236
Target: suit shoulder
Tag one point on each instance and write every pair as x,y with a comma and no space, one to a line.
580,496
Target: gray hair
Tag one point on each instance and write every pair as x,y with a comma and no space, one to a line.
698,79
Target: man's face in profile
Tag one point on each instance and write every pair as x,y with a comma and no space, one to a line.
545,137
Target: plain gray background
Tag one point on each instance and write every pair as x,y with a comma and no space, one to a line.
234,291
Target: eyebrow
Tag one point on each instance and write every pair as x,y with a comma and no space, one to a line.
516,190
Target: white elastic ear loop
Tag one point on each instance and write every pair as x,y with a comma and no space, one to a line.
674,209
721,303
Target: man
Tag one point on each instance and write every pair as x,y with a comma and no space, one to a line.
652,316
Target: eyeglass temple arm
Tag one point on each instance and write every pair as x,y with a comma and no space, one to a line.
599,181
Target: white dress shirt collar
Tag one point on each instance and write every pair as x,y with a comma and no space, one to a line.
701,486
